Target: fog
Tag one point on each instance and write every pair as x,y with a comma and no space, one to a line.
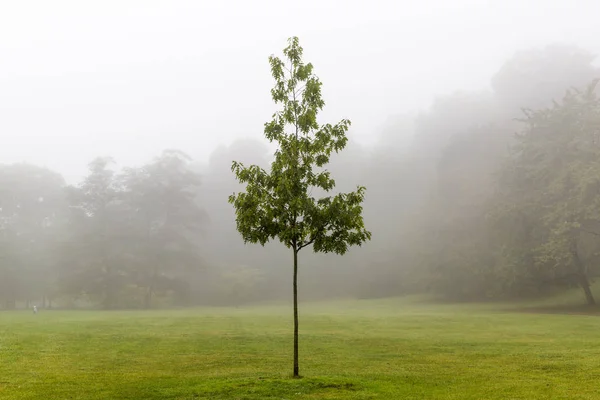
432,88
130,79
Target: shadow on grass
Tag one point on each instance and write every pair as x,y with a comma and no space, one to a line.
269,388
257,388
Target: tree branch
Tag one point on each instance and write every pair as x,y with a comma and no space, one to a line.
311,241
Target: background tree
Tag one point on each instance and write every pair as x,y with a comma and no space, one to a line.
32,206
552,185
449,245
164,222
279,204
135,234
93,265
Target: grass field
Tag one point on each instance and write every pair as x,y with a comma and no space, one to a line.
369,349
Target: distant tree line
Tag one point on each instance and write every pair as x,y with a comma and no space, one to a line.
509,184
114,240
490,194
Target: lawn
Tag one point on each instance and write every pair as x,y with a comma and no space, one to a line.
367,349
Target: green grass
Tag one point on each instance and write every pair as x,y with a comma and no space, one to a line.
369,349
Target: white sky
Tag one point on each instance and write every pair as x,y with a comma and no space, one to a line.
129,78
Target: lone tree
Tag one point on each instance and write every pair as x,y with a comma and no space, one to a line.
279,204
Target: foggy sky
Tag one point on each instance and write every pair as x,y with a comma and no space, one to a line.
130,78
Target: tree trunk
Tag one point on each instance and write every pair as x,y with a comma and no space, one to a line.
296,368
584,282
149,292
108,289
148,298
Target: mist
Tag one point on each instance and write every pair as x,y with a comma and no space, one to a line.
121,121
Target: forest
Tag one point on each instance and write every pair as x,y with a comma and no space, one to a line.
494,195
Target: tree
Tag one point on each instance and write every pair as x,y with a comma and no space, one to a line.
133,235
279,203
460,144
164,221
93,264
32,206
549,193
